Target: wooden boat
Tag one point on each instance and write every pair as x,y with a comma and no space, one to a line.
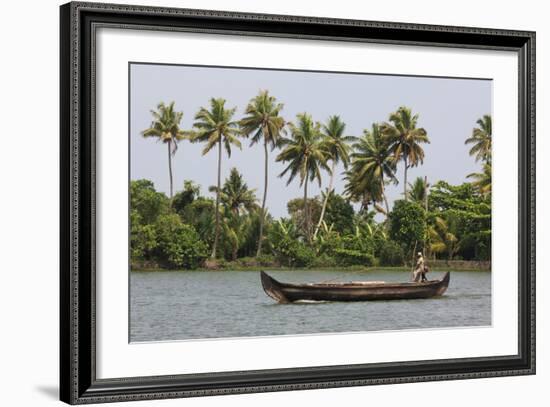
352,291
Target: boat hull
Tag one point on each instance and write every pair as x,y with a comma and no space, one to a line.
357,291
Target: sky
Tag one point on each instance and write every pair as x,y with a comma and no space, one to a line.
448,109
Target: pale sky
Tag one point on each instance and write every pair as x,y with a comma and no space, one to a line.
448,109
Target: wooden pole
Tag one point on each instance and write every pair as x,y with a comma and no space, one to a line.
413,262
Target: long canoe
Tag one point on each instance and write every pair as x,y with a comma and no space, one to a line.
352,291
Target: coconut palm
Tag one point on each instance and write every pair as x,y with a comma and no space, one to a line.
337,148
481,139
165,127
372,165
418,191
235,228
235,195
442,239
306,157
215,127
263,122
404,140
482,180
364,190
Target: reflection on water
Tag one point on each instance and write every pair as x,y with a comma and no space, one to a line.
206,304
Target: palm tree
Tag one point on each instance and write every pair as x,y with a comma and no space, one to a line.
418,191
481,139
337,148
306,157
235,229
165,127
363,190
404,140
482,181
442,239
214,127
265,124
371,163
235,195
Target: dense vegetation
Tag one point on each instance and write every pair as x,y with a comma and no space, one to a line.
189,229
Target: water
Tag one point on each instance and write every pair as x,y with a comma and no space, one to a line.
207,304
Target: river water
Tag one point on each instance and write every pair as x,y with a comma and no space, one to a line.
175,305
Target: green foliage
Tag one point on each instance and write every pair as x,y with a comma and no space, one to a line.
165,125
404,137
407,225
179,245
324,260
249,240
323,231
148,203
294,253
183,198
468,213
295,208
335,142
356,249
165,128
482,139
482,181
417,191
235,195
263,123
216,127
289,249
143,238
391,254
200,214
235,231
339,214
349,257
442,236
346,250
327,240
306,156
372,166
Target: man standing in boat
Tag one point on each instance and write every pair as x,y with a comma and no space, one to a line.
419,274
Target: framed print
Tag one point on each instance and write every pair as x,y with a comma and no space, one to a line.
254,203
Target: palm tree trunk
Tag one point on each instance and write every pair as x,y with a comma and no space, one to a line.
426,194
385,198
329,190
364,203
170,168
306,210
262,214
217,233
405,179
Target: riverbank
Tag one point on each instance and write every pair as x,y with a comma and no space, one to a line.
336,269
264,263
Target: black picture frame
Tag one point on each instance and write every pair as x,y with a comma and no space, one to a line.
78,382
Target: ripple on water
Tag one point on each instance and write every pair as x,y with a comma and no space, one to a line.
198,304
